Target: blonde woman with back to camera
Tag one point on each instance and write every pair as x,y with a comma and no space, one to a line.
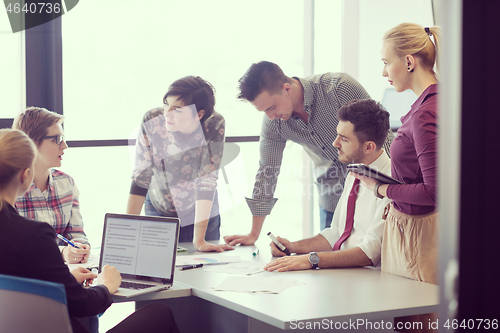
410,247
38,257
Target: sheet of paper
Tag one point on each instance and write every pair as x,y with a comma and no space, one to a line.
242,268
255,285
92,262
205,259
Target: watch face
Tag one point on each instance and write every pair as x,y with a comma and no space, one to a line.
313,258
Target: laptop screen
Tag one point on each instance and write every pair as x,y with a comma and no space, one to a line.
140,247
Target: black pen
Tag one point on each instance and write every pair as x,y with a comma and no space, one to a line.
185,267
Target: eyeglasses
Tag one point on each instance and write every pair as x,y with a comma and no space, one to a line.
58,138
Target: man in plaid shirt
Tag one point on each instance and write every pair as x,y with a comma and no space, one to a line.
304,111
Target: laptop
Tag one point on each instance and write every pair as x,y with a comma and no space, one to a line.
143,250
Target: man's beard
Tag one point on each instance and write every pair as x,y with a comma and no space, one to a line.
355,157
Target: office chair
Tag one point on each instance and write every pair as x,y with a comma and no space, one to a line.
29,305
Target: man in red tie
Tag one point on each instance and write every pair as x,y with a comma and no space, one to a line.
355,235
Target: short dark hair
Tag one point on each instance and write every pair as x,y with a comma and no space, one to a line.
370,120
261,76
194,90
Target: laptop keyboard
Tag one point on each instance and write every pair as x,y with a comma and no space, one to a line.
135,285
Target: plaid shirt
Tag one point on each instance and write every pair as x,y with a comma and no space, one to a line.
58,206
324,95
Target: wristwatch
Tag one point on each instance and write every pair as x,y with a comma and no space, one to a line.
314,260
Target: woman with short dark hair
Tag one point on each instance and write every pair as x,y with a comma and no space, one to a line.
178,154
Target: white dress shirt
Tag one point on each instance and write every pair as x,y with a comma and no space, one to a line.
368,225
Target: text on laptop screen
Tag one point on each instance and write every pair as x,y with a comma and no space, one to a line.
139,247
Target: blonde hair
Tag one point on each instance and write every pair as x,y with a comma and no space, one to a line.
413,39
17,152
35,122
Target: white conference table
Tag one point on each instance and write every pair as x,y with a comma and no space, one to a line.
330,298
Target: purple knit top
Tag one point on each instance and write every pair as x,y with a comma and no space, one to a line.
414,157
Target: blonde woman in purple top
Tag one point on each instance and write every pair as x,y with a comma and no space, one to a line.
409,53
410,246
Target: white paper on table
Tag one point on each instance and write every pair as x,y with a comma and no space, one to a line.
92,262
205,259
288,283
267,285
243,268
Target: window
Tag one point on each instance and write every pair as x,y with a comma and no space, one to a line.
120,66
327,36
11,67
119,60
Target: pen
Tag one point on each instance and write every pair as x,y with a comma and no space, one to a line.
64,239
255,253
280,246
183,268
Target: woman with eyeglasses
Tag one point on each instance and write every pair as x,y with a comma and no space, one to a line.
53,195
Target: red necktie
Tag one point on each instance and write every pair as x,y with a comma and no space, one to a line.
351,203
